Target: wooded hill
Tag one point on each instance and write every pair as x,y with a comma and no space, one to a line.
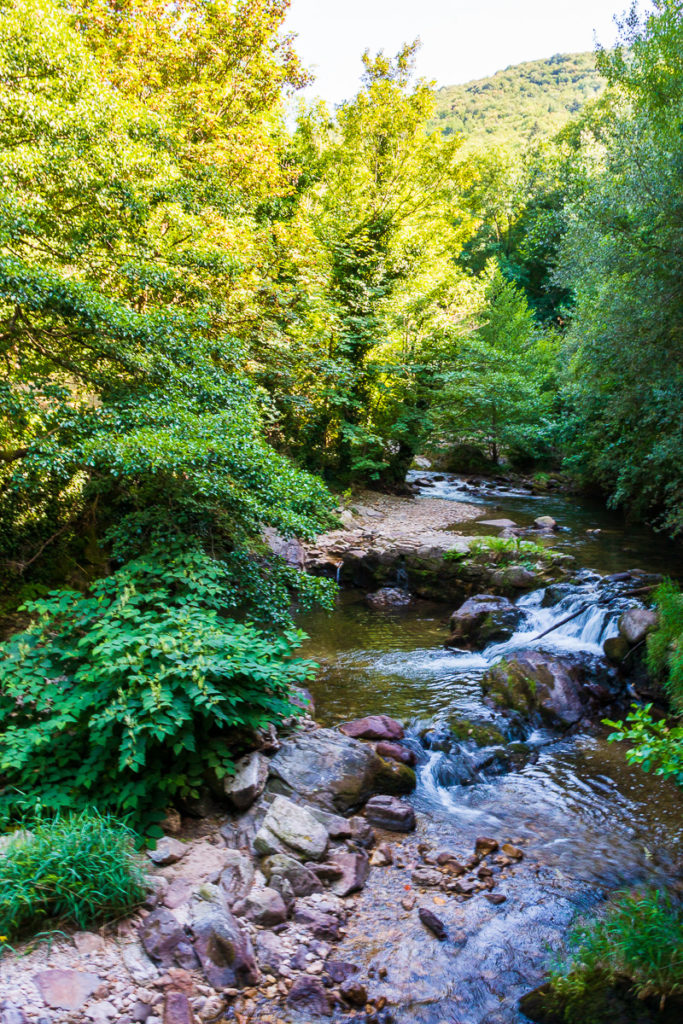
525,100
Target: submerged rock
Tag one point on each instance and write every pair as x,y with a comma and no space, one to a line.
389,597
482,620
336,772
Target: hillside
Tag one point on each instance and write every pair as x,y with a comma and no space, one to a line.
524,100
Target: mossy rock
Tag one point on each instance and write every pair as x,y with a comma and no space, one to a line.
395,778
482,735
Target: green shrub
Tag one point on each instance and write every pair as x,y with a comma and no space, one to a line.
128,696
665,643
506,551
657,745
69,870
640,939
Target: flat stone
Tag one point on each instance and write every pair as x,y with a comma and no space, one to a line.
302,879
500,524
426,877
65,989
294,826
374,727
355,868
390,813
168,851
320,923
178,892
88,942
248,782
237,877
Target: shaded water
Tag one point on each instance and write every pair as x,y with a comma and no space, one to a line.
588,823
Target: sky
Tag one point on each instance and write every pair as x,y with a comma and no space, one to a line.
461,39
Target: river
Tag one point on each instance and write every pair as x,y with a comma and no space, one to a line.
586,821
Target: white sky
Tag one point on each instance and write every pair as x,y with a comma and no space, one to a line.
461,39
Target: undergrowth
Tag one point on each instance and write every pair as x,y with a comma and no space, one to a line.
68,870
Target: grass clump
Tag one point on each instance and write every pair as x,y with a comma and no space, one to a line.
665,643
638,941
70,870
508,551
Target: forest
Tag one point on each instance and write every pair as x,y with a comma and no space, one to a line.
224,308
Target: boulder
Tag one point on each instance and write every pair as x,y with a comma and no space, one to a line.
390,813
287,826
248,782
354,867
161,933
307,995
545,523
396,752
271,951
516,577
636,623
281,866
554,690
374,727
616,648
389,597
65,989
482,620
334,771
262,905
224,950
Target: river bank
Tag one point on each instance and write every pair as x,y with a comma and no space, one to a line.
277,912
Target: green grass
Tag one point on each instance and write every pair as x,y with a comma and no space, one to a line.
71,870
639,939
505,551
665,643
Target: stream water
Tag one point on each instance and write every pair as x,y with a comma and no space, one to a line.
587,822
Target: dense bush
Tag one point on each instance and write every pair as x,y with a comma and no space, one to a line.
129,695
68,870
640,939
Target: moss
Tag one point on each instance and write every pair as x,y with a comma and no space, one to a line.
395,778
509,688
482,735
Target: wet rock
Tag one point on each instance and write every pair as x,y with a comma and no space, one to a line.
513,852
340,970
432,922
102,1011
161,933
482,620
177,1009
495,897
290,826
224,950
307,995
301,878
355,868
237,877
64,989
515,577
500,524
168,851
396,752
374,727
636,623
352,991
248,782
616,648
426,877
390,813
484,846
545,523
263,906
551,688
389,597
335,772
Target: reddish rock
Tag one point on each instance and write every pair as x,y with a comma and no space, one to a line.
308,995
396,752
65,989
177,1009
374,727
432,922
352,991
390,813
354,868
161,933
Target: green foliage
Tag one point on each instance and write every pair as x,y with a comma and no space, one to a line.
665,643
640,939
657,744
622,258
135,693
496,376
521,103
75,870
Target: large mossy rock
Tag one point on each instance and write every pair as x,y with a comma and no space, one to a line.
482,620
335,771
558,691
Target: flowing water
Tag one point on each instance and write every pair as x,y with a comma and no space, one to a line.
587,822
